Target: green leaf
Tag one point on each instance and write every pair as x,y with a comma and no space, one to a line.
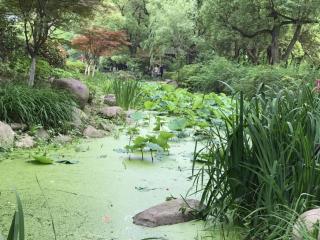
43,159
178,124
137,116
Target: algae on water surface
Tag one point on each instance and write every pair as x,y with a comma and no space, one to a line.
96,198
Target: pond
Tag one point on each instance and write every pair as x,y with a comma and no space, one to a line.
97,197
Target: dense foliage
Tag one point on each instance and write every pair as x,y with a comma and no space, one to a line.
265,167
43,107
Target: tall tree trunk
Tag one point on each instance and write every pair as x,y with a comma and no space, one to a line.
32,72
292,43
275,53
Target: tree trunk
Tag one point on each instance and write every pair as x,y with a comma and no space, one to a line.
275,54
32,72
292,43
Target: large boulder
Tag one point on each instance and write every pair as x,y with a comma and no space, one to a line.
6,136
91,132
25,141
78,89
307,222
168,213
112,112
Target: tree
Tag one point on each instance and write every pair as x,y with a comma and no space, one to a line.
97,42
9,41
172,28
41,17
136,21
264,18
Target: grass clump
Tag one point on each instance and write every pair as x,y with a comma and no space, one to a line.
35,106
265,165
127,93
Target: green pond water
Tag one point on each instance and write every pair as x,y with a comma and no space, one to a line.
96,198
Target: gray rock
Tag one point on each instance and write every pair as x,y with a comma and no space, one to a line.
6,136
42,135
79,117
106,126
25,141
307,222
75,87
110,100
18,126
63,139
168,213
91,132
112,112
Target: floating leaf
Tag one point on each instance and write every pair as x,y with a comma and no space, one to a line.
178,124
43,159
137,116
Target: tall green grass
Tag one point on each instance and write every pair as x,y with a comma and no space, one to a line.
265,165
33,106
127,93
17,231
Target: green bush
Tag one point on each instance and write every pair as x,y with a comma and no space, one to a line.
209,76
34,106
265,164
75,66
216,74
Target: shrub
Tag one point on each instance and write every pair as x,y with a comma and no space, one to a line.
265,164
209,76
75,66
214,75
33,106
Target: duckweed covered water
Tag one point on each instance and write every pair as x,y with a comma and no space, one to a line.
96,198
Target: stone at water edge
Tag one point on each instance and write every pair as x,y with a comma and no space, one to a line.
62,139
42,134
112,112
75,87
168,213
25,141
18,126
6,136
307,221
91,132
78,117
110,100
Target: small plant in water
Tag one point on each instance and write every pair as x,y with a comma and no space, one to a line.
151,143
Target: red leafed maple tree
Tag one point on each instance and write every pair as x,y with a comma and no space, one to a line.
97,42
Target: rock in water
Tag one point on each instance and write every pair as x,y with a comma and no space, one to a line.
6,136
112,112
307,222
78,89
91,132
168,213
